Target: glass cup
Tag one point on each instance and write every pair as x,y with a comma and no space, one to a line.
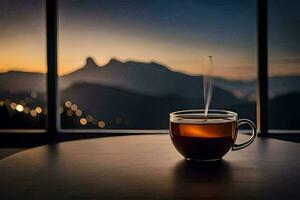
201,137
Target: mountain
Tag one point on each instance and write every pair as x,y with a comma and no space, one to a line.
145,78
136,110
15,81
282,85
150,78
143,111
278,86
123,109
155,79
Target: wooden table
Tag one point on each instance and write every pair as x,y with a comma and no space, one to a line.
148,167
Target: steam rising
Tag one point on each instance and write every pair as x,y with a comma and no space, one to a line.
207,82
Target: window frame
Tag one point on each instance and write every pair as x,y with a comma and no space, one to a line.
53,118
53,123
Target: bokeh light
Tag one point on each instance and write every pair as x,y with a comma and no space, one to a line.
33,113
101,124
74,107
83,121
38,109
13,106
78,112
19,108
68,104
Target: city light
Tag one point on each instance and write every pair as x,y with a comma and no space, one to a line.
33,113
38,109
74,107
19,108
101,124
13,106
78,112
69,108
68,104
83,121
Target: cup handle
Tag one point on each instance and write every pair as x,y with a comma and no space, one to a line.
250,140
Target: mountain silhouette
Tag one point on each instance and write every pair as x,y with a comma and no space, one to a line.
136,110
149,78
143,94
15,81
90,64
144,78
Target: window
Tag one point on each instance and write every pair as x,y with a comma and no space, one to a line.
284,64
128,64
22,65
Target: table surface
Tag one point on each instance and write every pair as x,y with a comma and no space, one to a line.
148,167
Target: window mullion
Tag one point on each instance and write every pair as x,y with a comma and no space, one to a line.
51,20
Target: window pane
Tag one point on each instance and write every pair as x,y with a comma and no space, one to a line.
128,64
22,64
284,64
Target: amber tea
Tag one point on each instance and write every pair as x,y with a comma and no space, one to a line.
200,137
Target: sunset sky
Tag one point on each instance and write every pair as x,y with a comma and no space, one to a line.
175,33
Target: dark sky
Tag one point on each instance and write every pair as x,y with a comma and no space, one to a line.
284,25
193,18
174,32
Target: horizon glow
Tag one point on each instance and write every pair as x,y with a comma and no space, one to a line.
176,34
